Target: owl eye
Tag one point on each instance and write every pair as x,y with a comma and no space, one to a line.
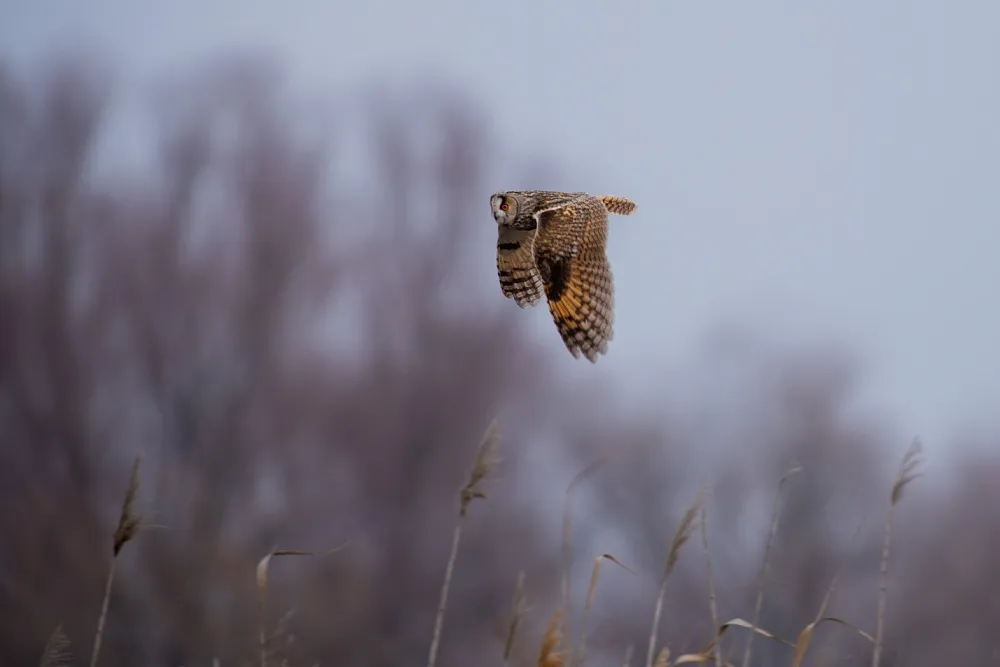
503,206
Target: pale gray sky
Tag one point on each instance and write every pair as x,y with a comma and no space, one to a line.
813,169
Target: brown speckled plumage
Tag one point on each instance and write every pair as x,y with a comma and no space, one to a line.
516,268
554,243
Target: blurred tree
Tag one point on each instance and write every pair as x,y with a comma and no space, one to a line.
182,314
285,322
787,409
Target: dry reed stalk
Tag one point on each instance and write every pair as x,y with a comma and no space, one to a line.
681,536
591,592
567,535
56,652
663,659
517,612
126,530
712,604
762,583
486,460
906,474
267,640
550,655
805,637
627,661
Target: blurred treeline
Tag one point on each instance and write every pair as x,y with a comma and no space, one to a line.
284,313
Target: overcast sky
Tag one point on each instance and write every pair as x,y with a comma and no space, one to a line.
814,169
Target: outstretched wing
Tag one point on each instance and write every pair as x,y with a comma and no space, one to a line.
516,268
570,254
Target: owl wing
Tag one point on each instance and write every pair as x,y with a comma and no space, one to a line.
570,253
516,267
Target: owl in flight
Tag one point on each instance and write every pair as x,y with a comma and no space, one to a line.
553,244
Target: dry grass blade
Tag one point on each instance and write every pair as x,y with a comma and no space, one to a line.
806,636
567,530
102,619
264,565
907,470
906,474
517,613
591,592
762,583
550,655
627,661
486,460
263,568
281,630
56,653
699,658
712,648
712,604
663,659
802,644
693,658
754,629
681,536
125,532
128,522
840,621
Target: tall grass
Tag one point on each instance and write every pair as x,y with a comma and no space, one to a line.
762,582
125,532
486,460
681,536
553,651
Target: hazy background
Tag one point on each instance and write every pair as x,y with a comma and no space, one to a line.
254,244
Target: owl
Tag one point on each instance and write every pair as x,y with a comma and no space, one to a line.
553,244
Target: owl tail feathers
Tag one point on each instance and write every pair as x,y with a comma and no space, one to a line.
619,205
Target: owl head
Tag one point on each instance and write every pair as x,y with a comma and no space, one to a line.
513,209
505,207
